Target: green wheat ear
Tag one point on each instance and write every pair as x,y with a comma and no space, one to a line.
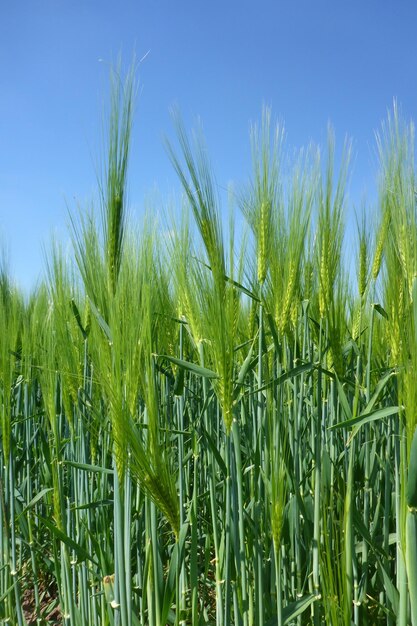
260,202
115,176
209,285
382,235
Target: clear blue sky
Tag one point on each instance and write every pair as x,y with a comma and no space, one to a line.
312,61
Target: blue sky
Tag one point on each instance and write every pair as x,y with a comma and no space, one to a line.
312,62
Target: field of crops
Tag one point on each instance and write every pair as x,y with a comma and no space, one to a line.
202,428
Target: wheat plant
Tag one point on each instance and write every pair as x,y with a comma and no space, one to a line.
197,431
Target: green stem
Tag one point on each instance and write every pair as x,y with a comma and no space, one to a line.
242,551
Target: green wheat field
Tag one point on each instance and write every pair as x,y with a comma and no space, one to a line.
208,429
